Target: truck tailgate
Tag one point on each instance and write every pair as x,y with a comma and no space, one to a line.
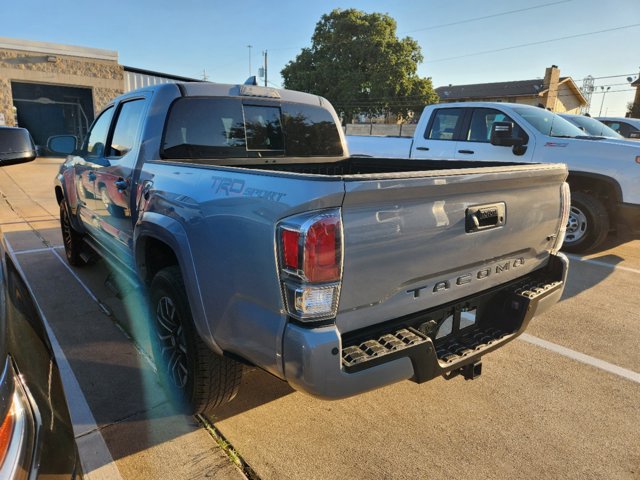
411,242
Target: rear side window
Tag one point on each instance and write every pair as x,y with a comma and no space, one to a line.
126,129
227,128
444,124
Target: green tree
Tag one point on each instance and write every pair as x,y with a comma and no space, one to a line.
360,65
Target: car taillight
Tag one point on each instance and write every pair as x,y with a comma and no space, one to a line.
565,208
310,254
6,432
17,428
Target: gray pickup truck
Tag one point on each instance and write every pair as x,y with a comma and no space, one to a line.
260,241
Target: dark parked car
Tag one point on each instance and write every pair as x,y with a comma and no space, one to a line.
36,434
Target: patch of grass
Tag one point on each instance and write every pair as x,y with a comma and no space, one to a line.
227,448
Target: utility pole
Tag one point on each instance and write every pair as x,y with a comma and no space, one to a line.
604,93
265,67
249,47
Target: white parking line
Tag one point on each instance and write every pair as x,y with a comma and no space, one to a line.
576,258
95,457
75,275
581,357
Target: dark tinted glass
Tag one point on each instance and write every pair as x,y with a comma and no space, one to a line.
445,123
310,131
263,128
224,127
14,140
97,137
127,127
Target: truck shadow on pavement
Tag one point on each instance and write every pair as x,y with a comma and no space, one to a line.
584,276
258,388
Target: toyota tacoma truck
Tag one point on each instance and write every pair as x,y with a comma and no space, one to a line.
261,241
604,174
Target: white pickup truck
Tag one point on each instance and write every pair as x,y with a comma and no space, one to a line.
604,174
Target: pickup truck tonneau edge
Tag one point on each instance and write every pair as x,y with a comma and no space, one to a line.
261,241
604,173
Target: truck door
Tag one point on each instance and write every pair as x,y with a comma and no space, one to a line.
85,165
473,143
113,188
439,140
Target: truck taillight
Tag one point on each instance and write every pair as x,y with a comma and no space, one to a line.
565,208
310,254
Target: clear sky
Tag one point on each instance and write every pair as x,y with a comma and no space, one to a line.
191,36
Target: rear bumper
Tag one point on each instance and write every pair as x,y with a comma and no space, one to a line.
323,363
628,214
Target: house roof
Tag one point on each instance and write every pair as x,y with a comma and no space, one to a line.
518,88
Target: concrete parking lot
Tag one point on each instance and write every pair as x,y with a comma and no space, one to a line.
561,402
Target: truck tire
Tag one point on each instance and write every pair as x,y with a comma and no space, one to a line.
71,238
588,224
197,379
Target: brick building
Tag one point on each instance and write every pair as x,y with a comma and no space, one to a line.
54,89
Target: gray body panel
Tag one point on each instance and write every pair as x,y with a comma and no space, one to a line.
401,230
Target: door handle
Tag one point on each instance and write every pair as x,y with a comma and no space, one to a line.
92,176
468,152
422,148
121,184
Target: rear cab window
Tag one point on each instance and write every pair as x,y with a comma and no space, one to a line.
212,127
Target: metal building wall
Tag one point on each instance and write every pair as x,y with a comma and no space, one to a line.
134,80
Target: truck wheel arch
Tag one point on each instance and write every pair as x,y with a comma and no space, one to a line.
156,247
597,185
602,187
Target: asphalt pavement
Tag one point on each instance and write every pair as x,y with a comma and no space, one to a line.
562,402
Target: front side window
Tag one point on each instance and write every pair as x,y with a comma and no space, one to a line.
482,119
445,122
97,138
548,123
126,129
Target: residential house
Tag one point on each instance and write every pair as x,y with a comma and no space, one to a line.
553,92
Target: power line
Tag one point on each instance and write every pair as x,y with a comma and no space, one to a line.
475,19
469,20
578,35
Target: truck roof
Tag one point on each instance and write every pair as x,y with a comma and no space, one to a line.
482,104
210,89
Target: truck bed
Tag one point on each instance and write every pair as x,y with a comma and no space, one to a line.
357,165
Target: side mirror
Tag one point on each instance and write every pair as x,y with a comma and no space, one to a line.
62,144
16,146
502,135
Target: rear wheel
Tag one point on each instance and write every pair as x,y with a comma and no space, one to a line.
197,379
588,224
71,238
